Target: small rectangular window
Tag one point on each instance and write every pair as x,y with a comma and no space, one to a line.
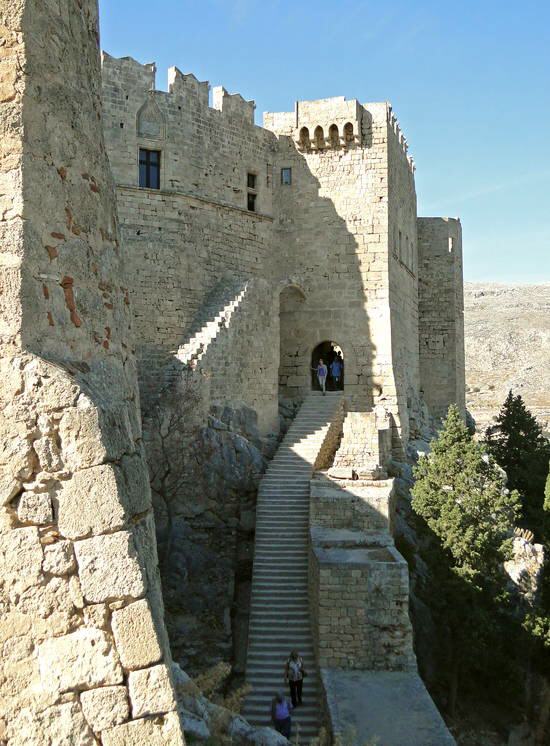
286,176
149,169
251,202
251,181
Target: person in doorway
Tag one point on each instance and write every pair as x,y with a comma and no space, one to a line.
281,714
322,372
294,676
336,371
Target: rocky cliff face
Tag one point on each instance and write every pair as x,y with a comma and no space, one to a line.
507,338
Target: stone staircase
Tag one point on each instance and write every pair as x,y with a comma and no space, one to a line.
214,316
279,614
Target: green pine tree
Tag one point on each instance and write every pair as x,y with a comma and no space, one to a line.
460,495
518,445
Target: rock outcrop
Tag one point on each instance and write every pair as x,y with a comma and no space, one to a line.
507,337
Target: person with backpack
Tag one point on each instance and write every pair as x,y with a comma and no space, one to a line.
294,675
281,710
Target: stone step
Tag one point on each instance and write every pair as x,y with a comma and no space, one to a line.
291,573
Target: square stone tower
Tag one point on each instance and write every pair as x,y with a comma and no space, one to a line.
346,227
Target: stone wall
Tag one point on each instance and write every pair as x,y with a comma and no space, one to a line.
441,313
194,235
352,505
85,657
361,596
366,446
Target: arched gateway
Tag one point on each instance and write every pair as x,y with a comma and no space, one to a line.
333,357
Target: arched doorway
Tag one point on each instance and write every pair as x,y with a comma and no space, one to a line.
333,357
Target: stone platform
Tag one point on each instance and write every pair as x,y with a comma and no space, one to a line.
386,708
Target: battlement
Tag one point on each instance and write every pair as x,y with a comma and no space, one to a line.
188,85
233,104
130,70
125,73
400,137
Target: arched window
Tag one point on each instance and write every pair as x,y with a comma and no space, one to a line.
319,137
334,136
348,133
304,138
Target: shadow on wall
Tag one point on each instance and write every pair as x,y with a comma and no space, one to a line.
244,341
332,250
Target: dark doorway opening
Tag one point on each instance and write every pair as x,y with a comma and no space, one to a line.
332,356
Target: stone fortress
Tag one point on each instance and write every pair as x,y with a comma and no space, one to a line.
153,241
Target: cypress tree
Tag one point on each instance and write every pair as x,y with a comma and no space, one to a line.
460,494
518,445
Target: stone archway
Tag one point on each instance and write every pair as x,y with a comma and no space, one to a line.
333,357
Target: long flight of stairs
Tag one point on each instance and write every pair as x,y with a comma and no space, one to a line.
279,614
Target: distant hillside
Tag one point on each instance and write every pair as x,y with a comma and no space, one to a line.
507,347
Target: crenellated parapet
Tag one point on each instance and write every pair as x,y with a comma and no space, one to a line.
233,104
188,86
394,127
129,78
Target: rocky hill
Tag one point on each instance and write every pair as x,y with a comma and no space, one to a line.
507,341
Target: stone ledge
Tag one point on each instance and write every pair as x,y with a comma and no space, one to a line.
348,538
193,198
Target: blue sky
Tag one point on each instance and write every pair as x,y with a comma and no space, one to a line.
469,82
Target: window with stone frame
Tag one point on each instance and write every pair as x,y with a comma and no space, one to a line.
252,195
286,176
149,169
251,202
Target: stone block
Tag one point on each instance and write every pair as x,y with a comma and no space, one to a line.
102,435
59,558
97,615
82,660
21,557
106,707
63,723
102,498
165,731
109,568
151,691
135,636
35,507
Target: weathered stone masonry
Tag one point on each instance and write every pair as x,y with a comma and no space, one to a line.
84,656
190,283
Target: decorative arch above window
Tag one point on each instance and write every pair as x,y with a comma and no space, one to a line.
150,121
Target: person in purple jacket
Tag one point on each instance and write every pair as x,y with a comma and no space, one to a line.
281,710
322,372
